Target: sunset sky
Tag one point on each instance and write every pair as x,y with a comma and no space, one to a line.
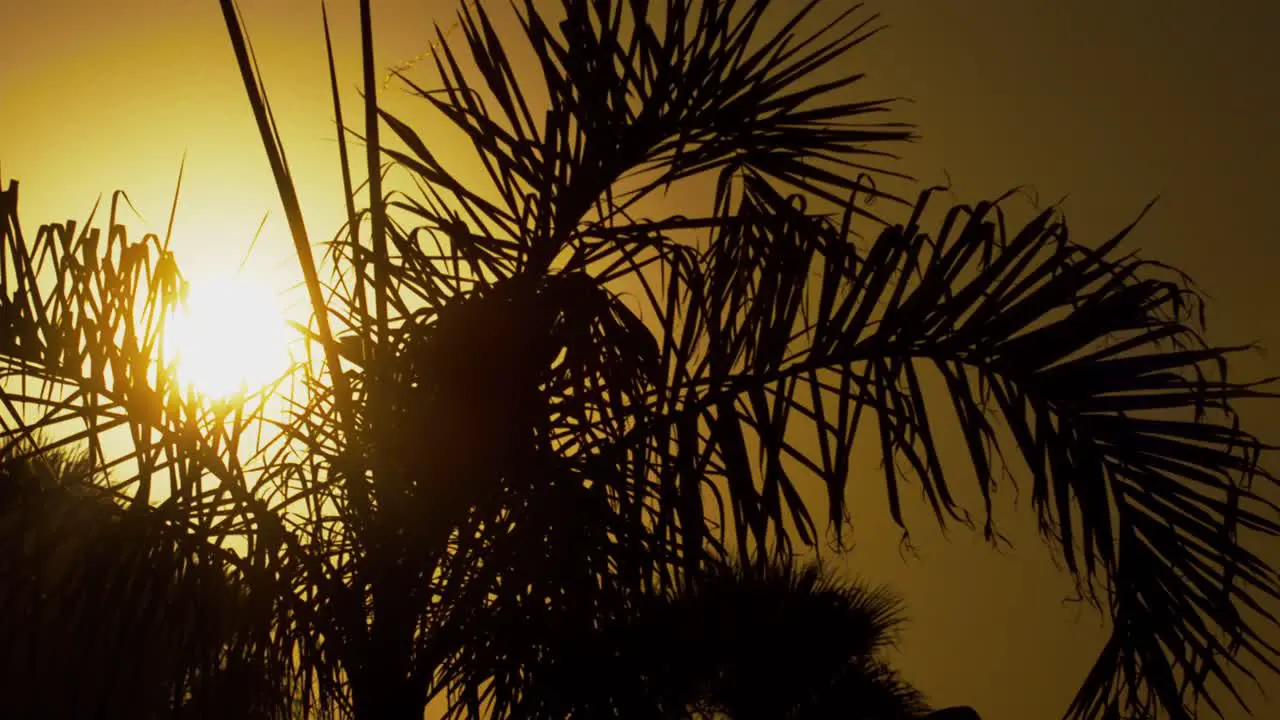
1109,103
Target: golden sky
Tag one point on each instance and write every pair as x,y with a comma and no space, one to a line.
1109,102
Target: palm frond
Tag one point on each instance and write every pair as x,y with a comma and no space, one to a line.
1093,361
631,103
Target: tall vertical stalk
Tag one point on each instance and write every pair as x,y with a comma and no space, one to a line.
387,688
377,214
292,210
348,192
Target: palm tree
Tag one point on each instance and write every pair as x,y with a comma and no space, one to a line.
76,564
536,404
760,640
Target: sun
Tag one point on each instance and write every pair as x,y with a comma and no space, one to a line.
228,338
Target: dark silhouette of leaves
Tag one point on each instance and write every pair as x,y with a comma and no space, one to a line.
96,595
539,408
776,640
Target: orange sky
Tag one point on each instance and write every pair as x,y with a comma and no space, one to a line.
1104,101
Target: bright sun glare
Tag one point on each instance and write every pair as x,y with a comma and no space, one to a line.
229,337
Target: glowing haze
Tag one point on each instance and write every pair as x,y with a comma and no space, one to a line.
228,337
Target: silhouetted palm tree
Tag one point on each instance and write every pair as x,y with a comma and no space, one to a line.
97,597
775,640
542,397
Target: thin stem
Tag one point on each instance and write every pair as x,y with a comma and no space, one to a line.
377,213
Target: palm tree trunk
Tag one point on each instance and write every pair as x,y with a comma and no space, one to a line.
387,689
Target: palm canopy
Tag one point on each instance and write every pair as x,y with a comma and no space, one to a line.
504,442
72,558
767,640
